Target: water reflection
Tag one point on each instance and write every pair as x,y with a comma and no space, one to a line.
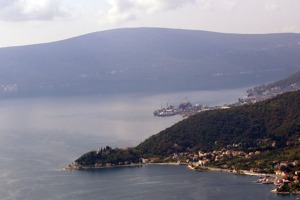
118,117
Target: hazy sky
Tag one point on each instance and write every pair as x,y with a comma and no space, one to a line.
35,21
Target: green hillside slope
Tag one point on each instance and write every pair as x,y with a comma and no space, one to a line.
277,119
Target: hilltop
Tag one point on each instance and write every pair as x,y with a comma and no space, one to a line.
147,60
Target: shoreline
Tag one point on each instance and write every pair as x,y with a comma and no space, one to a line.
248,173
75,167
212,169
241,172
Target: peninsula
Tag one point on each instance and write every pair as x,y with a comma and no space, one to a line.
259,138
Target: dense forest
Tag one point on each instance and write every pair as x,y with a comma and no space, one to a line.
254,127
109,155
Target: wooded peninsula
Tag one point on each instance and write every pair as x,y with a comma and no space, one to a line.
260,138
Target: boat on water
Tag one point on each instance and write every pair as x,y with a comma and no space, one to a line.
185,106
265,180
169,110
165,112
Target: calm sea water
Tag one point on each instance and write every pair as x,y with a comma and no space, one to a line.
39,136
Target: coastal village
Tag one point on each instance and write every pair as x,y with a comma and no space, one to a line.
265,92
284,174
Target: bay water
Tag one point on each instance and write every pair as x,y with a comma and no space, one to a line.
40,136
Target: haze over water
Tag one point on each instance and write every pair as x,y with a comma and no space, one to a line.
40,135
117,117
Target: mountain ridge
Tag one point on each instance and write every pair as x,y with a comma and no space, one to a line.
147,60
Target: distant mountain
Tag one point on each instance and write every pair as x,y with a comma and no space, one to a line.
147,60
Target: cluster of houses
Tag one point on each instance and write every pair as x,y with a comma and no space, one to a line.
286,177
263,92
200,159
287,173
204,159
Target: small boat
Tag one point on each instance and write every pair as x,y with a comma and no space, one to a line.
265,180
165,112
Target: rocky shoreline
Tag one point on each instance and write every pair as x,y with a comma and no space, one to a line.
73,167
79,167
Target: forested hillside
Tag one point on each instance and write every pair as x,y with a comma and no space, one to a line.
269,126
256,125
